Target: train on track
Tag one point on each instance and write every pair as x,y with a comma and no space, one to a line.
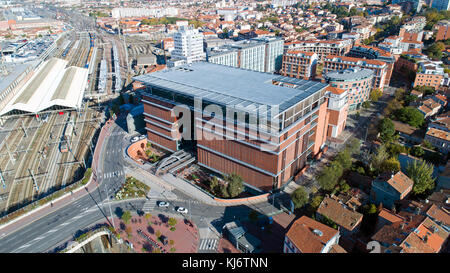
91,49
68,131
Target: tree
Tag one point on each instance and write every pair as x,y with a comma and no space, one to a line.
422,175
213,183
418,151
353,145
126,216
399,93
394,149
387,130
390,165
223,191
379,157
435,50
315,202
299,197
329,176
370,209
344,158
343,186
235,184
410,115
375,94
172,222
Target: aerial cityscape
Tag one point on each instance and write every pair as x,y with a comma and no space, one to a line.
224,126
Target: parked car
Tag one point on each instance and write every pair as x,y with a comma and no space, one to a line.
163,204
142,137
182,210
134,139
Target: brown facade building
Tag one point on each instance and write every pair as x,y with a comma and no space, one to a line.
262,126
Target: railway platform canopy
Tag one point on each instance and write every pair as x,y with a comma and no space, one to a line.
53,86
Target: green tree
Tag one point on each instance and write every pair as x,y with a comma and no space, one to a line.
417,151
299,197
235,184
353,145
375,94
422,175
126,216
223,191
387,130
344,158
315,202
329,176
370,209
379,157
213,183
390,165
172,222
343,186
410,115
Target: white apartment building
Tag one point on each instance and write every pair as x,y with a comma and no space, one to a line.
188,46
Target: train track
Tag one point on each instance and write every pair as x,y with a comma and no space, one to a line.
22,191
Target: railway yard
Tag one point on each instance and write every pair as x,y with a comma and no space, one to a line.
33,162
40,153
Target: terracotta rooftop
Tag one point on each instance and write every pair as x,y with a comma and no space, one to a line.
389,216
439,214
339,214
355,60
438,134
399,181
302,235
335,90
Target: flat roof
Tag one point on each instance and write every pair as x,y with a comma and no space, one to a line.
14,72
232,86
350,74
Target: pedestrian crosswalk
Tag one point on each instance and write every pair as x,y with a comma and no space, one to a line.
112,174
208,244
149,205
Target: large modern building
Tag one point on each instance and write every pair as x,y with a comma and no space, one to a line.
258,54
289,114
188,43
335,63
356,81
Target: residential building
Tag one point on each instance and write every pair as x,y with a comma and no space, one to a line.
443,30
409,5
408,133
430,73
322,48
356,81
439,139
188,46
379,68
262,54
429,107
337,111
310,236
411,233
267,160
299,64
388,188
347,219
374,53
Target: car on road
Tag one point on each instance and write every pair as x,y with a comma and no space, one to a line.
134,139
182,210
142,137
163,204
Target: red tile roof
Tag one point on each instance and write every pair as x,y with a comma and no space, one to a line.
302,236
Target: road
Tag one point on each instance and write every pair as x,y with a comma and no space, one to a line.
57,227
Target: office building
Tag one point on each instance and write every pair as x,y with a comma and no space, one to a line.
289,115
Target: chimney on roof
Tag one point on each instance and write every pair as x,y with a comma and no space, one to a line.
402,226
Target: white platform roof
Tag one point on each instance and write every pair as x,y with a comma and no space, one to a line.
52,85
